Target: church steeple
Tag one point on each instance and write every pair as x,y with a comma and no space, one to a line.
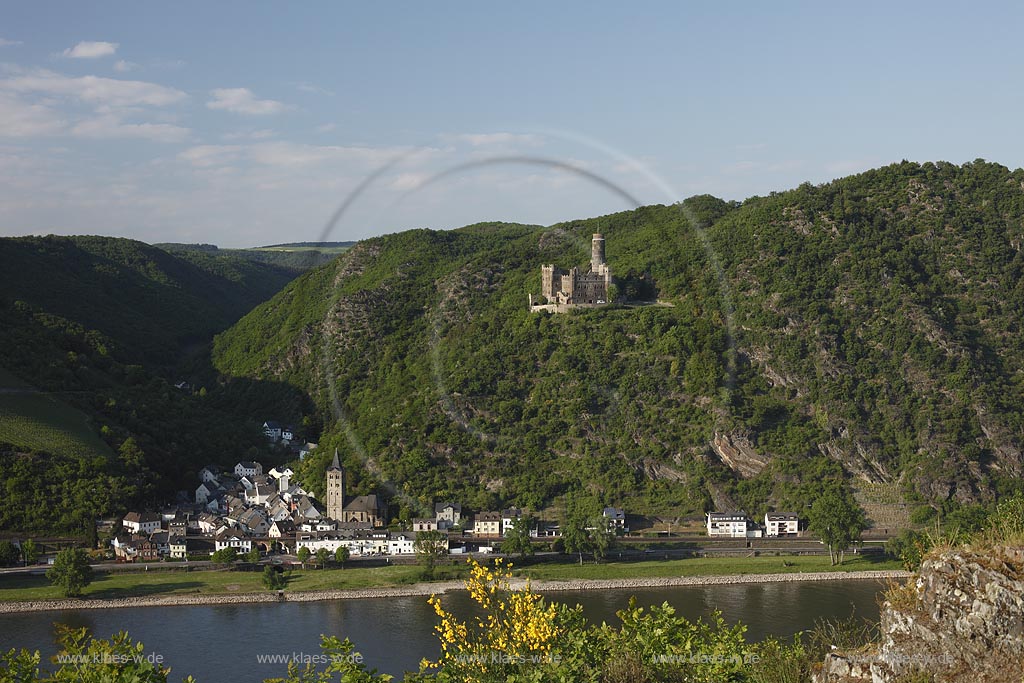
335,498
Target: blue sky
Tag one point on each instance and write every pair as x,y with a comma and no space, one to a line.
241,123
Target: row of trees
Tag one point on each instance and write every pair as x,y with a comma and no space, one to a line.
27,551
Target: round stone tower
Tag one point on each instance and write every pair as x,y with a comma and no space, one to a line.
597,252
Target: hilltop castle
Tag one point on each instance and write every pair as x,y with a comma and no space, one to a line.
575,287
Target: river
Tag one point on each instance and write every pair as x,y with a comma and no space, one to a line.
218,643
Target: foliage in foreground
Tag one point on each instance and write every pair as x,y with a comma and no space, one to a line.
84,659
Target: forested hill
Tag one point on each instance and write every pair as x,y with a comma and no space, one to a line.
93,335
149,304
869,326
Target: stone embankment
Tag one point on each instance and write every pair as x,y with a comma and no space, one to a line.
422,589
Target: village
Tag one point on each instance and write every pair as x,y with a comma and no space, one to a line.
246,509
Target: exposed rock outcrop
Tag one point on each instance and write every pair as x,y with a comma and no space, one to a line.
960,619
738,454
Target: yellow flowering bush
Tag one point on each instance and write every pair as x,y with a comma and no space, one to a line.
516,630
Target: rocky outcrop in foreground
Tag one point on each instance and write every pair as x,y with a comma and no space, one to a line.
960,619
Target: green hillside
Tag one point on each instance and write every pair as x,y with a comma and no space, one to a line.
148,302
42,422
296,257
96,331
869,327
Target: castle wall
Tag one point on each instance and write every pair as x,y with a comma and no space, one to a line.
575,288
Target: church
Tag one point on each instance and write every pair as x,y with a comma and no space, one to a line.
361,509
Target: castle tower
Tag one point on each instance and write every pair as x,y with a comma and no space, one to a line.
597,253
335,497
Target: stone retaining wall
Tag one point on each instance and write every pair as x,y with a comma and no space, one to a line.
438,587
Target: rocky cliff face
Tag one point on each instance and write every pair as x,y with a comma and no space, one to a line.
960,619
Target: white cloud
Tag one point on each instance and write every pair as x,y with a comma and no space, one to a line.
205,156
316,89
8,43
409,181
21,119
168,63
90,50
289,154
326,127
111,126
487,139
261,134
242,101
122,65
95,90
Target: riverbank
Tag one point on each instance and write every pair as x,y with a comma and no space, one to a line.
430,588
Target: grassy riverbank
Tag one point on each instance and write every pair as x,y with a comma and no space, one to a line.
704,566
212,582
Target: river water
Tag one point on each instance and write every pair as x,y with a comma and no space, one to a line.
217,643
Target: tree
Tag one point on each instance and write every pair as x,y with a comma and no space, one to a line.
601,539
30,551
430,546
8,554
303,556
70,571
585,529
273,578
574,535
224,556
518,538
322,556
253,556
341,555
838,521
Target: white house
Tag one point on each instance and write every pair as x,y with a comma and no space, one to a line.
248,468
487,524
281,528
177,547
282,475
272,430
305,450
208,491
233,538
209,474
208,522
287,434
616,518
781,524
404,543
508,518
294,492
143,523
259,494
728,524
